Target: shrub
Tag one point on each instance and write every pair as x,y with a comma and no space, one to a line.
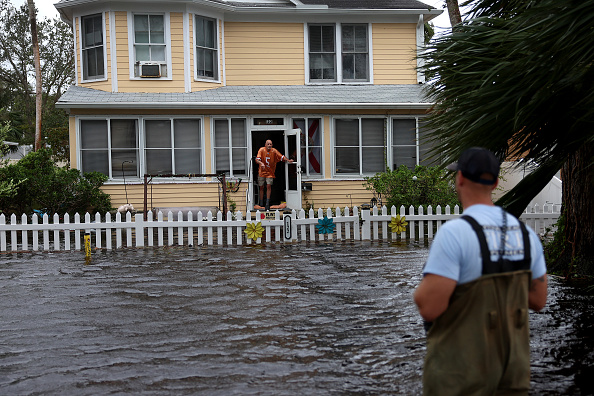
38,183
422,186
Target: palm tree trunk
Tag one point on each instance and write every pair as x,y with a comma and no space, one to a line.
37,61
578,189
454,12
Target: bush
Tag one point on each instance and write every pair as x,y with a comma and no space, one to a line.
422,186
38,183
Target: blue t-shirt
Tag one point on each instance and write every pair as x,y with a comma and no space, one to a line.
456,254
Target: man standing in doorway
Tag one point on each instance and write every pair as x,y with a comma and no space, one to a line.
483,273
267,159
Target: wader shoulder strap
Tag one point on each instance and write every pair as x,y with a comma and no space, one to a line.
502,265
485,253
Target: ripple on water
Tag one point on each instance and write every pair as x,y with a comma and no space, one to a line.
321,318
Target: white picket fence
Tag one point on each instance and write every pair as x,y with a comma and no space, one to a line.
182,229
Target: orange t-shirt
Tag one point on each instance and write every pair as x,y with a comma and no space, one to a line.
270,159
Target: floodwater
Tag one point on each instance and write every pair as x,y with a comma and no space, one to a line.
304,319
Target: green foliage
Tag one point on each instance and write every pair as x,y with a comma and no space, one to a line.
553,248
17,75
422,186
36,182
516,78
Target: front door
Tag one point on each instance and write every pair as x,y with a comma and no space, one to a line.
287,184
293,171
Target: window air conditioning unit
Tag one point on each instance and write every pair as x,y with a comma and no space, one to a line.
150,69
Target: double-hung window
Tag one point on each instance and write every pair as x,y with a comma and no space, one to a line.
109,146
338,53
207,58
322,53
172,146
230,146
93,66
149,42
355,53
359,146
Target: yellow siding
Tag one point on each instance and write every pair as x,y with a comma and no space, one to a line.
164,195
394,51
333,193
264,53
125,84
324,194
72,141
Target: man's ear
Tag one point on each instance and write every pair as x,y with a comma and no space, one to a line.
495,184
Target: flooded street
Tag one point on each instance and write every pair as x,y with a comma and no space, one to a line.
302,319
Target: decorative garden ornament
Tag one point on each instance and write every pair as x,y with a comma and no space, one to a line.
398,224
325,225
254,230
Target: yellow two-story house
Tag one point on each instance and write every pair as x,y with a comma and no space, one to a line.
192,87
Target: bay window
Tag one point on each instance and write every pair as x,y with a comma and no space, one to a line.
149,43
92,45
206,55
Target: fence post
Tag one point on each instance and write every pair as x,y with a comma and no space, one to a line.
365,225
139,230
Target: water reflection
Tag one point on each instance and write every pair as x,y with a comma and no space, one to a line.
318,318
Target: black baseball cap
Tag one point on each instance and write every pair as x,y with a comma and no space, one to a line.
476,161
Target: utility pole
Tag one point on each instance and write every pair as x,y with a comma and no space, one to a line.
37,61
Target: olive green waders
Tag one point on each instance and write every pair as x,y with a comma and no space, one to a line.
480,344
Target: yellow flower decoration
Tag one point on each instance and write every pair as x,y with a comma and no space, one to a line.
398,224
254,230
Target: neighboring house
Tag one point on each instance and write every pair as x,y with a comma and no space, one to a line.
197,86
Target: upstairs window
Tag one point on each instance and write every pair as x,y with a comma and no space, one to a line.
339,53
207,58
355,53
150,49
92,47
322,53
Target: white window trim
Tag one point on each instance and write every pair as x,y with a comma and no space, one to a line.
338,51
390,139
248,129
305,175
171,119
141,144
361,175
131,52
109,148
217,40
80,39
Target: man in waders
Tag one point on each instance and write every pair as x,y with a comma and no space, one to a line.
484,271
267,159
